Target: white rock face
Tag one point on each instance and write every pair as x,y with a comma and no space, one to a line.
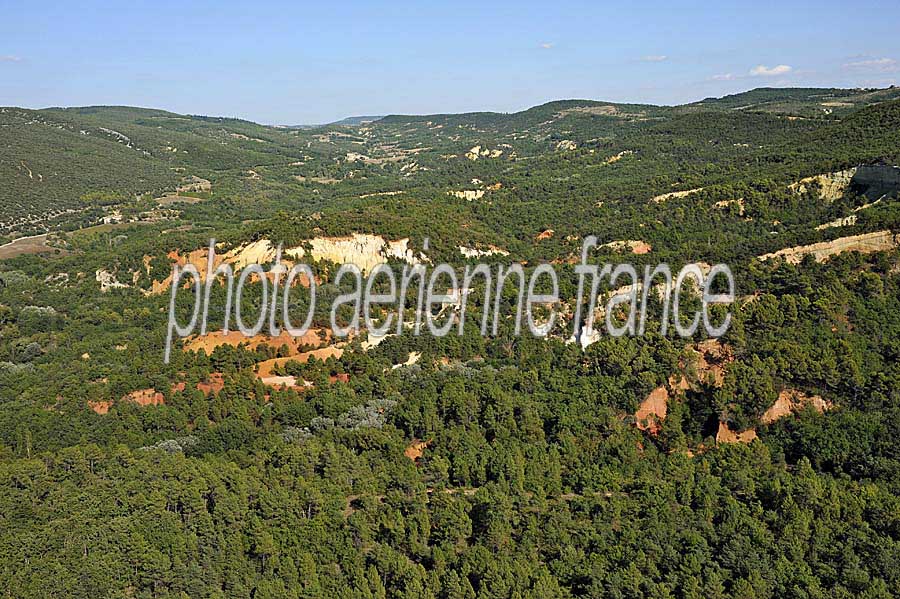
674,195
364,250
839,222
832,186
468,194
108,281
867,243
476,253
256,252
477,152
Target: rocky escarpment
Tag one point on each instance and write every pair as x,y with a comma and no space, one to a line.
866,243
362,249
831,186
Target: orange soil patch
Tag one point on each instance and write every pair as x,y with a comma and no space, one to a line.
146,397
790,401
679,382
199,259
292,382
101,407
570,259
713,356
141,397
211,341
652,411
545,234
416,449
641,247
266,367
726,435
214,383
635,246
285,382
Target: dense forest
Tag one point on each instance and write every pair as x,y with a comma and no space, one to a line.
411,466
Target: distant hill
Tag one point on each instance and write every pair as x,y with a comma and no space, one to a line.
357,120
799,101
353,121
71,165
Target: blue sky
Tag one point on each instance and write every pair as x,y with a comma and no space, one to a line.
298,62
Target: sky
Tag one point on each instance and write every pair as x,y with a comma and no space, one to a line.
316,62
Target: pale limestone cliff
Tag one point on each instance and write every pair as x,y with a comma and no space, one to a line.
674,195
839,222
477,253
832,186
866,243
469,194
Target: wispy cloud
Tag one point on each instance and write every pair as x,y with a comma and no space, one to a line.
10,58
764,71
547,45
724,77
881,65
654,58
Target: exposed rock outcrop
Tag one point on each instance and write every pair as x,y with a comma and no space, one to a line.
847,221
468,194
790,401
416,449
726,435
652,411
478,152
832,186
866,243
108,281
491,250
267,367
635,246
145,397
725,204
209,342
674,195
363,249
617,157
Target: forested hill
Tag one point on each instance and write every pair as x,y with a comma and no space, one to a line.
761,464
69,166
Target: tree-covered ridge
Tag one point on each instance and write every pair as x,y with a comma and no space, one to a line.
534,480
465,466
57,161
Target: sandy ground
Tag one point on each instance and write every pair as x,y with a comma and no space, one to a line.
36,244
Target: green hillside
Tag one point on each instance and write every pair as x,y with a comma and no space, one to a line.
759,464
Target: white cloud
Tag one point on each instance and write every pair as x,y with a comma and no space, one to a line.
883,65
654,58
10,58
764,71
724,77
547,45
